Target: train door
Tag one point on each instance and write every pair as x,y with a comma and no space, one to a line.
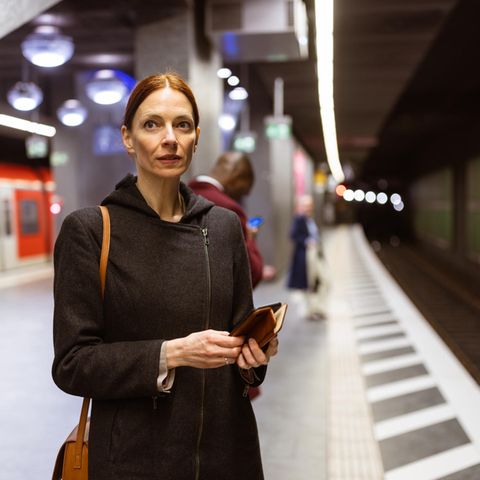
7,239
32,224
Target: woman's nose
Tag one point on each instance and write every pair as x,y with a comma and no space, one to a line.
169,138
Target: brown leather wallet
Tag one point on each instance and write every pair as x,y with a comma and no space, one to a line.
262,323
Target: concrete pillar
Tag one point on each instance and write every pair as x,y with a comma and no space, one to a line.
272,194
281,193
176,44
15,13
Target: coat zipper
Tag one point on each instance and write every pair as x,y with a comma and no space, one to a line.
207,323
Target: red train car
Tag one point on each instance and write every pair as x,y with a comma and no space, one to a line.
26,197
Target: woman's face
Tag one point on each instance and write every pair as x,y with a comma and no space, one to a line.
163,134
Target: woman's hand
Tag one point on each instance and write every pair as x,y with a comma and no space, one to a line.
205,349
253,356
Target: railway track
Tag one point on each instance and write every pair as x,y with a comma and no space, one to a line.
443,297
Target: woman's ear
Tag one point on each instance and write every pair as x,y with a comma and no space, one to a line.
196,139
127,140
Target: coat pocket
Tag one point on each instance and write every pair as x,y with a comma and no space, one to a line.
131,445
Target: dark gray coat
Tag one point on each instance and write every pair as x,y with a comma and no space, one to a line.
164,281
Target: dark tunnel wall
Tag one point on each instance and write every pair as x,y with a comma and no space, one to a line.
430,144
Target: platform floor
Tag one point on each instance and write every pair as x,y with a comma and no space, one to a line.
369,393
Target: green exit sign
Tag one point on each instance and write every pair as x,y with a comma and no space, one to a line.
278,127
245,142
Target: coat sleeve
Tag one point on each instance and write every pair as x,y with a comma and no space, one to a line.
85,363
256,262
242,298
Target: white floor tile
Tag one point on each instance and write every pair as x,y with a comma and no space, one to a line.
382,345
388,364
413,421
402,387
437,466
372,332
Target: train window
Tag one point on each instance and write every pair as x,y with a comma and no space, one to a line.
29,217
7,215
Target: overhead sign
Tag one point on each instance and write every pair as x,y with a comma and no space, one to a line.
36,146
278,127
245,142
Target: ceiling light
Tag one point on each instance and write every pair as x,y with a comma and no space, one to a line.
382,198
25,96
72,113
233,81
224,72
359,195
105,88
227,122
395,198
47,47
370,197
26,125
238,93
324,46
348,195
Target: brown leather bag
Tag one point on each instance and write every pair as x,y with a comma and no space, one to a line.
72,458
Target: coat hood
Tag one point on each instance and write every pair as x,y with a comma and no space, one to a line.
126,194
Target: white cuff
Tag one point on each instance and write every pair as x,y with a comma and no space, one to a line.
165,376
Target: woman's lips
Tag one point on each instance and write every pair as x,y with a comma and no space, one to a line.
169,158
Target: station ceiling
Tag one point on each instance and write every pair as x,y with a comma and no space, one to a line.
396,66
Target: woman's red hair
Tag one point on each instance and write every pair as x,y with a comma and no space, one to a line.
156,82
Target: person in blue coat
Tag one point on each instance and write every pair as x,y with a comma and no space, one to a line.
305,271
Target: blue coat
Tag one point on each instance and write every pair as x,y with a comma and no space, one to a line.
299,234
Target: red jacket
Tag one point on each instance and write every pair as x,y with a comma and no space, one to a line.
212,193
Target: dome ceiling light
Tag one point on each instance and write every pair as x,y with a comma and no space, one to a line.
72,113
25,96
238,93
47,47
106,88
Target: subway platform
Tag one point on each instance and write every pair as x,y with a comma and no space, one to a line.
369,393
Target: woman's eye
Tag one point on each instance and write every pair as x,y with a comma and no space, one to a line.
150,124
185,125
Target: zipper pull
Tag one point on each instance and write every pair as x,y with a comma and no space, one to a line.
205,236
154,402
245,390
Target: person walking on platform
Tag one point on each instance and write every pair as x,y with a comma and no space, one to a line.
166,379
306,271
231,178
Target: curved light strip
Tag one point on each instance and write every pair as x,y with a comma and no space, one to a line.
324,46
27,126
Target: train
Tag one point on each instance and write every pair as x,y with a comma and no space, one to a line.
27,206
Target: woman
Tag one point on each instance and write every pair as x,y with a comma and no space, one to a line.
307,263
167,381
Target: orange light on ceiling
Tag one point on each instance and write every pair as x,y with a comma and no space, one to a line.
340,190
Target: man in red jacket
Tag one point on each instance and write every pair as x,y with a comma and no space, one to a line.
230,179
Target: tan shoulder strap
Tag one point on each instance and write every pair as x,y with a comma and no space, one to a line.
103,274
105,247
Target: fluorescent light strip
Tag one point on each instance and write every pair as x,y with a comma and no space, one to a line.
324,45
27,126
